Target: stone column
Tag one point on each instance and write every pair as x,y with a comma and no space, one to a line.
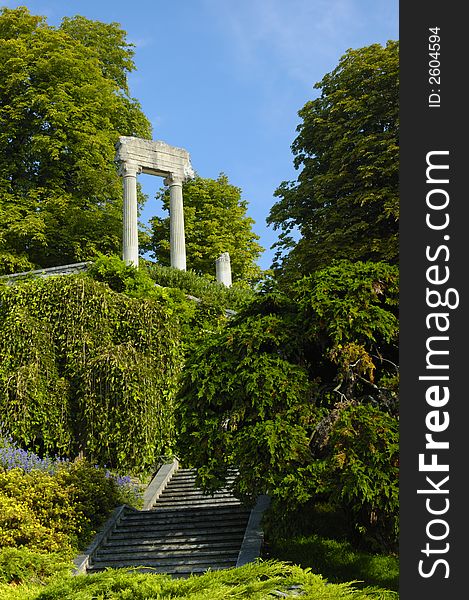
129,172
223,269
176,223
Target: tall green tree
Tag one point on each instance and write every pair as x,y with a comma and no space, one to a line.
299,393
64,101
345,202
215,221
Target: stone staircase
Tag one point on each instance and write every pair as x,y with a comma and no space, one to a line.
184,532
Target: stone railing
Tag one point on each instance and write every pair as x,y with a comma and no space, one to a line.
61,270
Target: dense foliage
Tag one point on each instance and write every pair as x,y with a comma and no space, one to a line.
197,315
54,505
345,202
18,565
151,280
49,508
350,319
355,467
209,292
244,404
294,385
85,369
54,512
251,582
215,221
299,393
64,101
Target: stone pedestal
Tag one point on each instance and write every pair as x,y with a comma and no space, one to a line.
129,173
223,269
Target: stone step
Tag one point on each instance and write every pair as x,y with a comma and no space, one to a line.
192,476
175,571
184,529
175,522
181,489
164,562
179,537
185,471
191,491
211,523
182,554
196,502
165,513
204,527
163,545
191,479
169,513
192,495
188,487
201,520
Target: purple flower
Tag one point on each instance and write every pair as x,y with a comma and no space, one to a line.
13,457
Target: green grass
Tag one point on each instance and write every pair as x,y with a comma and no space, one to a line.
318,536
338,561
256,581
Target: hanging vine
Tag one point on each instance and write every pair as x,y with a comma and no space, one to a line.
86,369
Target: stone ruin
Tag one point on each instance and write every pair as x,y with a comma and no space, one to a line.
136,155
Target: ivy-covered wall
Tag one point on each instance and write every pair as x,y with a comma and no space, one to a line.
86,369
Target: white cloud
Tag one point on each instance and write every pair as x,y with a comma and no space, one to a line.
298,35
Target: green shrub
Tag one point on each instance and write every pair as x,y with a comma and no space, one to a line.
356,467
196,318
140,283
57,511
213,293
19,565
257,581
92,493
349,313
120,277
37,512
353,472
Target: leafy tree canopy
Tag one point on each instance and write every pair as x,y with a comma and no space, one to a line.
215,222
63,103
267,395
345,201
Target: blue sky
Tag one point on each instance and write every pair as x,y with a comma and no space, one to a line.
225,78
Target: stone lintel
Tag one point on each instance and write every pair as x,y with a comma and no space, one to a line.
155,157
